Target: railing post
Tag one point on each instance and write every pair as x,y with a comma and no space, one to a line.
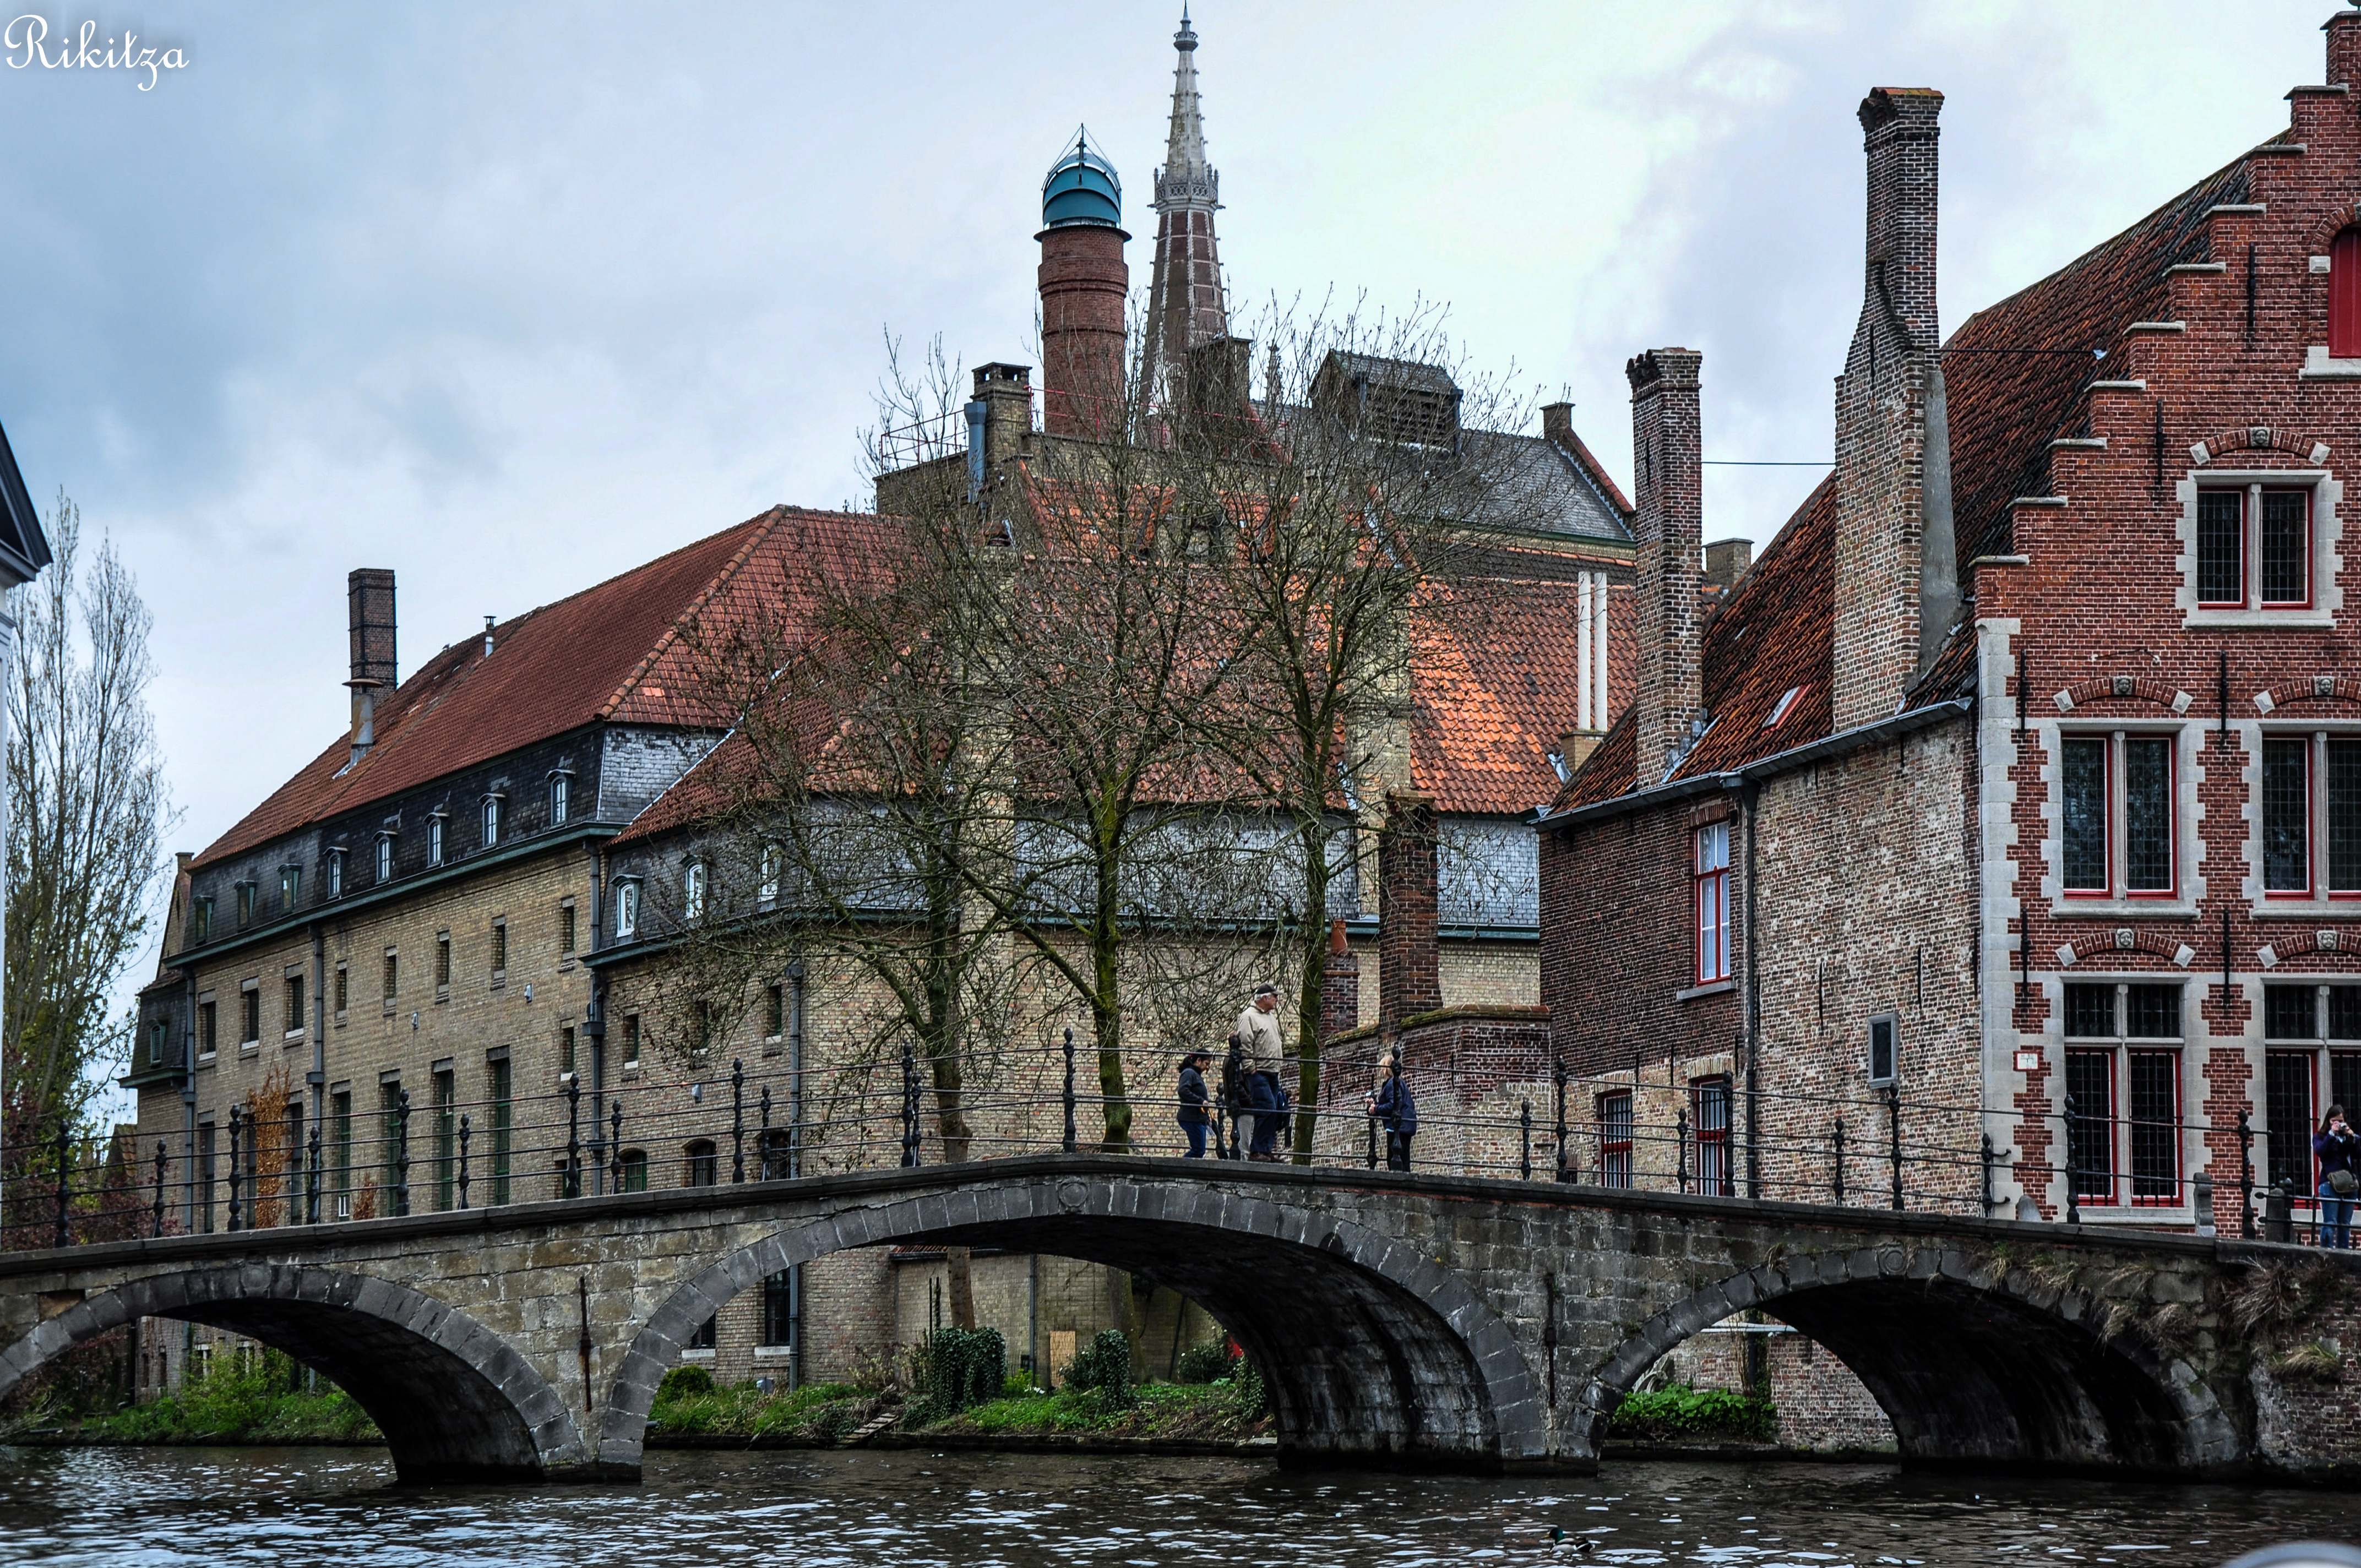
1525,1124
462,1160
615,1147
236,1167
573,1138
1069,1089
909,1105
1372,1141
1557,1073
762,1138
1894,1131
2073,1187
312,1194
737,1119
1987,1159
1681,1147
162,1159
2245,1177
401,1153
65,1182
1839,1161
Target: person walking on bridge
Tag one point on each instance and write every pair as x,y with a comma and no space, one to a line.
1193,1100
1265,1049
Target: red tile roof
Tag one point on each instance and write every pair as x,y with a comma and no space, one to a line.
612,652
2006,405
1496,688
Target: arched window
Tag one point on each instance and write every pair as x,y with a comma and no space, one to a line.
627,909
692,896
2345,296
491,820
704,1164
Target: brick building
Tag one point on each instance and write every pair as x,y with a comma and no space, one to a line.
2024,764
429,963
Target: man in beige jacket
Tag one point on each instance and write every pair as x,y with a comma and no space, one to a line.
1265,1050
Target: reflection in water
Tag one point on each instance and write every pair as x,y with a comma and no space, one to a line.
860,1509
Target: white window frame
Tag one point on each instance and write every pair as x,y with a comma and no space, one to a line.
337,873
436,822
492,823
627,908
1710,884
2327,531
561,792
385,857
692,891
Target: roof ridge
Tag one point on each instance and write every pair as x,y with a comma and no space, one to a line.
766,523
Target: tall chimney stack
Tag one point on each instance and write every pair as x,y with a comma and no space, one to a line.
2344,31
1668,523
368,596
1084,286
1896,569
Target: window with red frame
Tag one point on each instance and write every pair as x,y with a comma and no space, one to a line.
1709,1118
2116,820
1615,1139
2312,815
2253,548
2345,295
1712,877
2123,1069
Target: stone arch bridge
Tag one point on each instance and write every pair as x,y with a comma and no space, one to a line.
1400,1318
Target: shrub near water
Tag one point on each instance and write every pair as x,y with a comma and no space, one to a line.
1680,1411
256,1398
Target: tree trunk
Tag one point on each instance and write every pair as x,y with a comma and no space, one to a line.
962,1278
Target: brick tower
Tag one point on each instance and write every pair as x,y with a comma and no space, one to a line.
1185,304
1084,282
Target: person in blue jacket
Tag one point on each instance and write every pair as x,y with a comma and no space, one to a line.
1389,1102
2338,1150
1193,1100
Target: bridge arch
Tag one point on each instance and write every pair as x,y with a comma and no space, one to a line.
1374,1351
1972,1361
453,1399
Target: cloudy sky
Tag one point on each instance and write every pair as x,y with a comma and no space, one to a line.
509,297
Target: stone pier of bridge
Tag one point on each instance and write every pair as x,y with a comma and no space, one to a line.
1399,1320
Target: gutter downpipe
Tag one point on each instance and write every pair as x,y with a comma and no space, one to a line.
594,1023
189,1113
1750,800
318,1077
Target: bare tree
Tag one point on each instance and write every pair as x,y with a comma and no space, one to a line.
88,807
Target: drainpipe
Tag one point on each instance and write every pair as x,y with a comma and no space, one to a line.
795,1164
318,1077
1750,798
189,1113
594,1021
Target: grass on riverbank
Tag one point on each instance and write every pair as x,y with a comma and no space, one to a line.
1176,1412
256,1398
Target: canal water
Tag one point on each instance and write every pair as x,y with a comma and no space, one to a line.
293,1506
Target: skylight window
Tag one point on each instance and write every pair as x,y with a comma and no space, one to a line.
1786,706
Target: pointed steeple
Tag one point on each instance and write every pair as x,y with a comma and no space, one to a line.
1185,304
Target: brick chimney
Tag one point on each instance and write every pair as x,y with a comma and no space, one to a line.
1084,285
1410,966
1895,565
1668,524
1725,561
1340,985
368,596
2344,31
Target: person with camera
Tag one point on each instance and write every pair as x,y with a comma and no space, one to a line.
2338,1150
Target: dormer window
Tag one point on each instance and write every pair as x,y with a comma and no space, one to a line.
385,857
627,908
336,873
291,889
773,864
692,892
246,897
492,804
201,921
434,827
561,789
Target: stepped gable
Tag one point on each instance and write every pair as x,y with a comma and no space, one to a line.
1495,690
2006,408
610,653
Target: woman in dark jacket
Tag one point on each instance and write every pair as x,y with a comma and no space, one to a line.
1192,1102
1389,1102
2338,1150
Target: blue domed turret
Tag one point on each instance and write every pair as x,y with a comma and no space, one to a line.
1082,189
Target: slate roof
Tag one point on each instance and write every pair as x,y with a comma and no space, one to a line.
1774,632
24,548
610,653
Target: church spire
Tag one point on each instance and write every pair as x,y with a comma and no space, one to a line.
1185,306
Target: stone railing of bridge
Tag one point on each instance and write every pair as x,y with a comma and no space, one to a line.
1401,1318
